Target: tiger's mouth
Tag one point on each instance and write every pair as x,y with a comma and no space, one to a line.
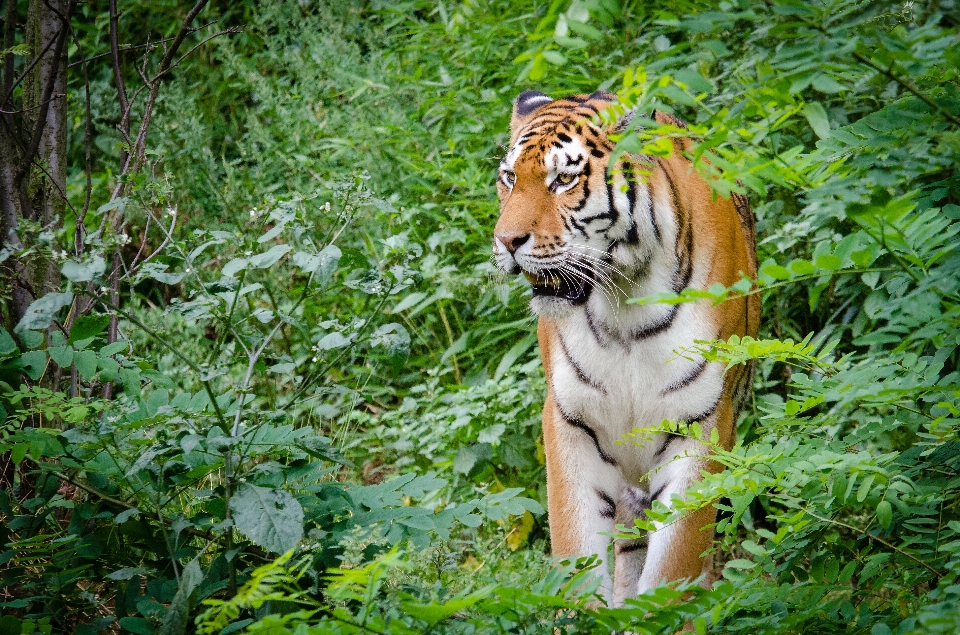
572,287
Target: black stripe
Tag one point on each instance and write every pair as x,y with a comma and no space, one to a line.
705,414
689,379
577,423
670,438
611,205
582,376
629,547
684,258
657,327
594,328
564,137
657,493
584,178
631,189
653,220
611,508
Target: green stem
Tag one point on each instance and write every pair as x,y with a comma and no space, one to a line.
173,349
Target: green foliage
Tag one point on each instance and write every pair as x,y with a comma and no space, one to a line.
317,359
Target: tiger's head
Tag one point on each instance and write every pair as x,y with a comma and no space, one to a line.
558,221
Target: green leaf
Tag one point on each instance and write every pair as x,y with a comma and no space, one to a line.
269,258
322,265
332,340
802,267
158,272
84,271
137,625
513,354
776,271
62,355
433,613
817,117
86,362
740,563
87,326
555,57
41,313
828,262
884,514
827,84
33,363
175,621
465,460
7,345
271,518
233,267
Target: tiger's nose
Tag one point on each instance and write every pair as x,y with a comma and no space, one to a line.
513,240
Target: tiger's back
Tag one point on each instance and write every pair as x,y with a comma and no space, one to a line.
590,235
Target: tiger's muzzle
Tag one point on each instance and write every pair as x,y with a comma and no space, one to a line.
572,284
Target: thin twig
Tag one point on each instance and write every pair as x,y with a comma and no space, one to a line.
90,490
906,83
88,157
863,532
173,349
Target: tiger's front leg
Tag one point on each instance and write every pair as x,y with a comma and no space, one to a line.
582,491
675,551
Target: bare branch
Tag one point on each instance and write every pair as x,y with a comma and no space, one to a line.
134,47
118,77
37,107
231,31
87,142
135,159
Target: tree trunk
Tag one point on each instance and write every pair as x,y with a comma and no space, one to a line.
33,163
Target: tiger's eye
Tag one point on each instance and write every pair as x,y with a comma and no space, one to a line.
565,179
510,177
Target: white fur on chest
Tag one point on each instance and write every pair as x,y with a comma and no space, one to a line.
615,384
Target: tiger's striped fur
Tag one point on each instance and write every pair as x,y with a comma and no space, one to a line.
589,235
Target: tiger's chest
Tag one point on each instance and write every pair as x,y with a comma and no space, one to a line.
623,373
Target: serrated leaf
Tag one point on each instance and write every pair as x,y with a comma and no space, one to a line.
271,518
158,271
175,620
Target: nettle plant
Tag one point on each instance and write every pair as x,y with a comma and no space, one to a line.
213,456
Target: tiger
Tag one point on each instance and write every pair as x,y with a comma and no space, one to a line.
589,233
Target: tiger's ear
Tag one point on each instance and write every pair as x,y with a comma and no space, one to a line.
623,122
524,105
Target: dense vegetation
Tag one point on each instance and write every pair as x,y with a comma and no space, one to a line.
269,381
